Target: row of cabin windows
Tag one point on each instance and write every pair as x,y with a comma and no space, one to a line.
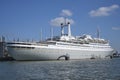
21,47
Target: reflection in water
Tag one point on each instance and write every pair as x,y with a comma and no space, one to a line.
107,69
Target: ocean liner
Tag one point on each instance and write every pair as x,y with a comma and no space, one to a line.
65,47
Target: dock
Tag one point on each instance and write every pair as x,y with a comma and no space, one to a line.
4,56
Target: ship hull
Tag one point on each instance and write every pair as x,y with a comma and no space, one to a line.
58,52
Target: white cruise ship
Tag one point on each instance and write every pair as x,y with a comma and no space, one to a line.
65,47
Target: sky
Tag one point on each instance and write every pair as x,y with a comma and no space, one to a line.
27,19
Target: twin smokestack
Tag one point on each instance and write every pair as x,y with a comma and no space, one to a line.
65,25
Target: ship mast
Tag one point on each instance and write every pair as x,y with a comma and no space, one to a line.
40,34
51,33
98,33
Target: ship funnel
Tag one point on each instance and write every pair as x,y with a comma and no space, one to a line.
62,29
69,29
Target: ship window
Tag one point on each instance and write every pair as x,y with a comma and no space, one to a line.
21,43
21,47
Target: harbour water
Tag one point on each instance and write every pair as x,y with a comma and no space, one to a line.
89,69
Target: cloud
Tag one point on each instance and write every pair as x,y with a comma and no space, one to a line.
66,13
57,21
103,11
116,28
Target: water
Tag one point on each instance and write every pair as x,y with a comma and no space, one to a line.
97,69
